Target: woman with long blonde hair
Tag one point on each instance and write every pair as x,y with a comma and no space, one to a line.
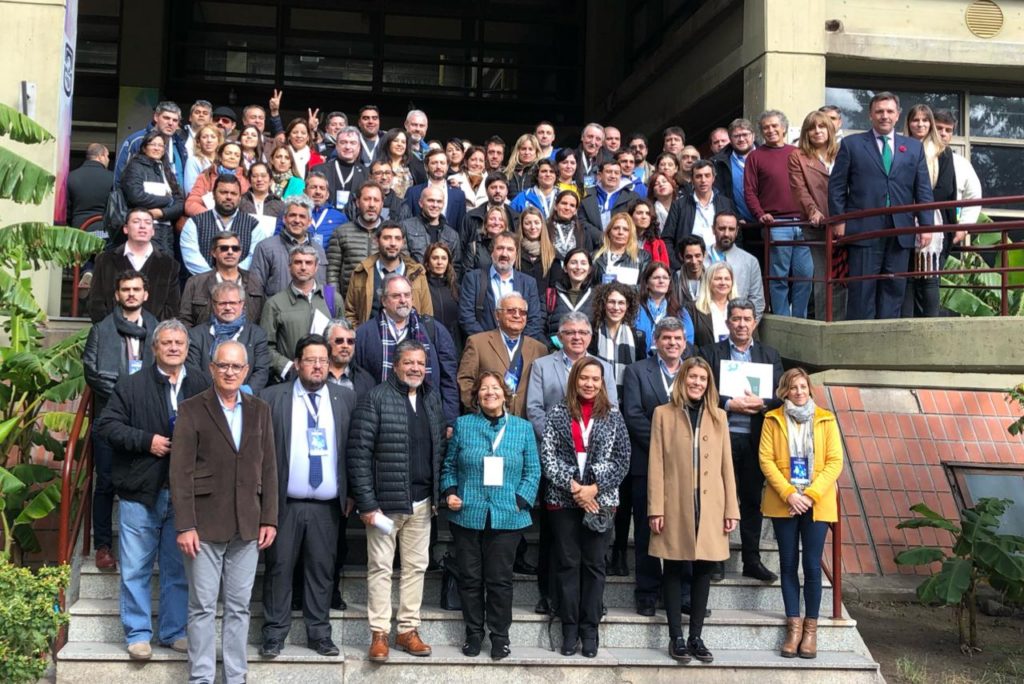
620,258
519,170
717,287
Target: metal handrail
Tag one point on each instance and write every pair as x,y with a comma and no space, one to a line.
76,479
77,269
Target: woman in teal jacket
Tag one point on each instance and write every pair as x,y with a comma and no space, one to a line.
490,503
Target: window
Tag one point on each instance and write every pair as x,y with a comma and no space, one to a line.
972,481
855,104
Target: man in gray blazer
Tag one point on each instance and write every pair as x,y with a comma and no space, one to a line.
312,496
229,322
546,387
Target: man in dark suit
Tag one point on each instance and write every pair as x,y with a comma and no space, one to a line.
647,385
341,337
437,176
224,490
694,214
746,418
89,186
607,198
589,155
482,289
879,168
311,422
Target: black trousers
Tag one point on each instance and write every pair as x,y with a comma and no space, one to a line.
749,487
341,552
624,514
308,529
545,579
484,559
648,569
877,299
700,588
103,494
578,557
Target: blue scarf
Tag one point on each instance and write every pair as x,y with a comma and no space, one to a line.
223,332
223,171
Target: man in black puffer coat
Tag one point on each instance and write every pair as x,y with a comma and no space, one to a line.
395,448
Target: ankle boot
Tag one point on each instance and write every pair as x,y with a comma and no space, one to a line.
794,630
809,642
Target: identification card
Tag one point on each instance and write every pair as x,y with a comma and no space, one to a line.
134,366
798,474
581,461
342,199
511,381
494,471
316,440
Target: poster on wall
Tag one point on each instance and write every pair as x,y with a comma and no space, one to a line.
67,89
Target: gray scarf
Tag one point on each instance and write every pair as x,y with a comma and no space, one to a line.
800,428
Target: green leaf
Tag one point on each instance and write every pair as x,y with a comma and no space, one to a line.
41,505
26,538
7,427
21,128
21,180
42,243
9,483
1000,559
33,473
952,581
917,523
921,555
63,421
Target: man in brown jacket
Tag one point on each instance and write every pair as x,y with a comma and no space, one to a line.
362,300
222,461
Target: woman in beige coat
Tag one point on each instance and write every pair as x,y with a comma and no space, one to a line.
691,498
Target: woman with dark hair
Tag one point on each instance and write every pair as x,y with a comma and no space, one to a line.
456,154
471,179
565,171
251,141
668,164
662,191
573,291
565,229
299,140
408,170
584,456
519,170
619,344
444,294
541,194
536,254
489,477
229,162
148,183
691,499
260,201
648,229
620,258
284,177
658,299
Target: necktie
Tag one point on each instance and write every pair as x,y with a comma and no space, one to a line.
886,153
316,468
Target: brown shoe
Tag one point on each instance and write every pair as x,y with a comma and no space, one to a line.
105,559
411,643
809,642
378,647
794,630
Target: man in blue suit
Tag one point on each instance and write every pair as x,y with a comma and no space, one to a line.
874,169
437,175
483,288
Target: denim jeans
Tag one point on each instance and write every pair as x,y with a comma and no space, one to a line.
148,535
793,533
790,298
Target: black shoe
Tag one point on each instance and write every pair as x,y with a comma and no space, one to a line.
324,647
759,572
589,648
718,574
338,603
296,603
685,610
677,649
696,647
616,565
645,608
522,567
604,611
543,606
271,648
569,644
471,648
500,650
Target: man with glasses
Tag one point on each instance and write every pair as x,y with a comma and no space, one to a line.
197,234
228,321
311,424
730,164
482,290
226,251
224,489
138,423
394,207
638,145
225,119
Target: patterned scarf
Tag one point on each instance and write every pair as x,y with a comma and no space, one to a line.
389,341
622,349
222,332
800,428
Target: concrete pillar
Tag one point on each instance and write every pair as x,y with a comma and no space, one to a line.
784,56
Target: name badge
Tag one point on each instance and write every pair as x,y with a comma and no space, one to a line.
316,441
798,474
134,366
511,381
581,461
342,198
589,182
494,471
318,239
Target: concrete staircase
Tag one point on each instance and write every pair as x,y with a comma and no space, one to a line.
744,632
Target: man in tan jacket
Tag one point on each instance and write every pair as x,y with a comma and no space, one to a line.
362,300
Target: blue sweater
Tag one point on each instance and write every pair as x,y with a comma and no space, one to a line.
463,469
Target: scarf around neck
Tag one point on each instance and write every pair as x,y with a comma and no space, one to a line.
800,429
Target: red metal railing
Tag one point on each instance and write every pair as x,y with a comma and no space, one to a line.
75,493
831,241
76,270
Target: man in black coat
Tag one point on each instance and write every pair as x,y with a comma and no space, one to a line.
694,213
229,322
89,186
746,418
606,198
312,496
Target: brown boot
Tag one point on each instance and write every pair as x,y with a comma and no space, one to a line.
809,642
411,643
794,630
378,647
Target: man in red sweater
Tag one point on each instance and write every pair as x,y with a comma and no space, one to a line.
766,191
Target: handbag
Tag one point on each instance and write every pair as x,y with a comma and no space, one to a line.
449,584
602,521
115,213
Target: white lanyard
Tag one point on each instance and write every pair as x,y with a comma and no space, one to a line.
607,207
583,298
258,206
548,202
512,351
587,165
497,438
315,415
317,222
399,335
370,151
585,432
344,181
176,389
225,225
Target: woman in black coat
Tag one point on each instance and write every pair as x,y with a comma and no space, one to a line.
444,294
148,183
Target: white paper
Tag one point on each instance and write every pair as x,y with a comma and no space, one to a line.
494,471
625,274
740,377
319,323
208,200
159,189
383,523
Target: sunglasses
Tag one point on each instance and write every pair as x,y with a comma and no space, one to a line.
348,342
229,248
225,120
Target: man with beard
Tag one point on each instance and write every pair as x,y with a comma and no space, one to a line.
195,300
416,128
454,205
694,212
431,226
730,164
270,262
354,241
638,144
197,235
333,124
394,207
369,133
365,287
496,187
607,198
483,289
344,173
745,268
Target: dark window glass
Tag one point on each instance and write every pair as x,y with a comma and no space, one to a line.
854,102
999,170
995,116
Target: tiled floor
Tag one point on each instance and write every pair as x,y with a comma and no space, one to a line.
894,461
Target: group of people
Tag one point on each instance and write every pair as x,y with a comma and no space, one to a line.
536,342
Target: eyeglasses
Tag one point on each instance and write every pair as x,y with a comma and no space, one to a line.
224,367
347,341
514,311
574,333
229,248
225,120
313,363
228,302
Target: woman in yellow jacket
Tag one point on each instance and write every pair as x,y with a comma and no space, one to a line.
801,456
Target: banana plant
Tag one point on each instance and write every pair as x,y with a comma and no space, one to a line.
982,297
34,378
